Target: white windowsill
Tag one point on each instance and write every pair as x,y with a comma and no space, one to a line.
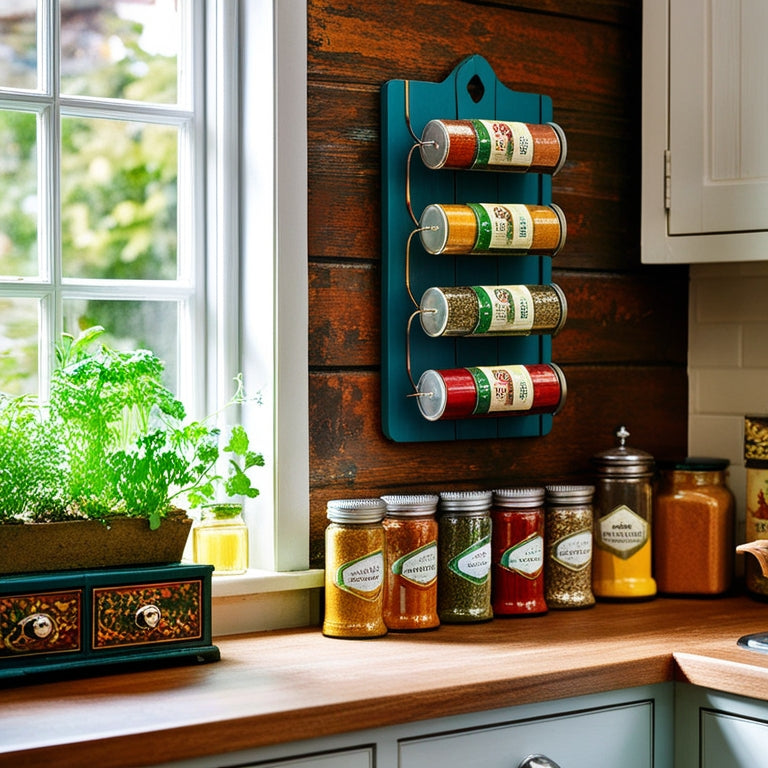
256,581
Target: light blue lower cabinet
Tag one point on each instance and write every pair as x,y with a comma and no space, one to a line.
630,728
718,730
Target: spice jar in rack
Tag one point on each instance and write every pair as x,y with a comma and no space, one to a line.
623,502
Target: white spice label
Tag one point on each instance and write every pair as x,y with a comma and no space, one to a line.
363,577
622,532
503,227
419,566
474,563
504,309
502,389
574,551
503,143
526,557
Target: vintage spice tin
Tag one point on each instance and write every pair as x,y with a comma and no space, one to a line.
756,514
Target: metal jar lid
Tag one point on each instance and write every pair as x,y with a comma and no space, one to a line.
466,501
520,498
356,510
411,505
622,460
435,144
434,229
569,495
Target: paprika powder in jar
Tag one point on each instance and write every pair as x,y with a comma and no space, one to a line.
693,522
464,556
354,568
517,548
410,585
621,567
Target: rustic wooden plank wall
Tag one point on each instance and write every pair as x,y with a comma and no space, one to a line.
623,349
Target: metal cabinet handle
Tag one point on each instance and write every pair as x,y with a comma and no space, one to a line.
538,761
148,616
37,626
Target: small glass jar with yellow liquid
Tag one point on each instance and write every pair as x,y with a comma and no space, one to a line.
220,539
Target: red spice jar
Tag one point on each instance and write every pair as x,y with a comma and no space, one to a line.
517,549
410,587
499,390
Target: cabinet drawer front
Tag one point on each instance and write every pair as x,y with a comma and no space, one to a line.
36,623
621,735
727,739
147,614
355,758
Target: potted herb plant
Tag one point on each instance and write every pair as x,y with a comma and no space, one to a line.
101,474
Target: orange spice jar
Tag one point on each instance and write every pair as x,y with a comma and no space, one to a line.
410,585
693,528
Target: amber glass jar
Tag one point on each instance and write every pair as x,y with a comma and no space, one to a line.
693,528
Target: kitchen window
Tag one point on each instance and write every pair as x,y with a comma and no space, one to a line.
153,180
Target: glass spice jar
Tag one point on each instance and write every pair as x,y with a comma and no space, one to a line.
622,567
568,546
464,557
410,586
693,523
220,539
517,549
354,568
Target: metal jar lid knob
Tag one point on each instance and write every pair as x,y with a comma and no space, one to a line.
623,459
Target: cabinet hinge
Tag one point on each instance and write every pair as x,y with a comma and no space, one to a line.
667,179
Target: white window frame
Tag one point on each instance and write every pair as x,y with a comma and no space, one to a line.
265,86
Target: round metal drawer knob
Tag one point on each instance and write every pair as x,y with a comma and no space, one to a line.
538,761
37,626
148,616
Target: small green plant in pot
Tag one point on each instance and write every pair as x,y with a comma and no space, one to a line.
114,444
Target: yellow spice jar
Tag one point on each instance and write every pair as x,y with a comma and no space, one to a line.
693,528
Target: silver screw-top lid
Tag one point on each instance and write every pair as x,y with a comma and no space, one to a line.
466,501
433,395
622,459
411,505
570,494
435,143
522,498
356,510
434,229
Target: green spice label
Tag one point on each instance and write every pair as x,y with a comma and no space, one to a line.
503,309
474,563
503,227
419,567
503,143
363,577
574,551
526,557
622,532
502,389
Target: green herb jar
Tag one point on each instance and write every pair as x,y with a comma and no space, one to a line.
464,557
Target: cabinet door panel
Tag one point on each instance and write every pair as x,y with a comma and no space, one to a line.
620,735
718,108
729,740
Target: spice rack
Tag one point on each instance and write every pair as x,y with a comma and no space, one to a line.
470,91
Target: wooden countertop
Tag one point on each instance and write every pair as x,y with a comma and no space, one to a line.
284,686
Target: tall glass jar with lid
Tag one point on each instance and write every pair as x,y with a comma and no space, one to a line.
464,557
410,585
354,568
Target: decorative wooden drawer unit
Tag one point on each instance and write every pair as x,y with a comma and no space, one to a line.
57,622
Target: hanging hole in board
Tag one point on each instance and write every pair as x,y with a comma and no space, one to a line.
475,88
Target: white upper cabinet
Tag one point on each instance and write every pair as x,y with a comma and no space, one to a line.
705,131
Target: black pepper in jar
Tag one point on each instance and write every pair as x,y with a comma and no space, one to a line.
568,546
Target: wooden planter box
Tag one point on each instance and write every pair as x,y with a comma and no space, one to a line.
78,544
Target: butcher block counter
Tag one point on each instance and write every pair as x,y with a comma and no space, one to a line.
287,686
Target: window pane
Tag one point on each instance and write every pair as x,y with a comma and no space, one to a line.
18,44
131,325
121,50
18,194
19,331
118,199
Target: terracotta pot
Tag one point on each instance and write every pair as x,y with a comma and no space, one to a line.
77,544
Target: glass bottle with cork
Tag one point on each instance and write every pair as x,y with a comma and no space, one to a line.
622,567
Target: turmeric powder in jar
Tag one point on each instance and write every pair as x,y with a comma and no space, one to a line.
354,568
693,528
410,584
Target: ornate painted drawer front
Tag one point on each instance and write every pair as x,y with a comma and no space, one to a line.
151,613
40,623
104,619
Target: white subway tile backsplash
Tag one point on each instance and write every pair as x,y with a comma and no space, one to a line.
754,345
730,391
731,298
715,344
720,436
